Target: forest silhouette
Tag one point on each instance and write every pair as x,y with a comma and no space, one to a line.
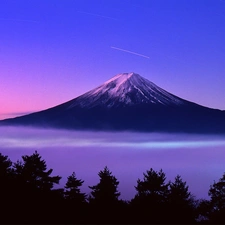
28,196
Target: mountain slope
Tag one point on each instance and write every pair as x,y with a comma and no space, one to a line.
126,89
128,102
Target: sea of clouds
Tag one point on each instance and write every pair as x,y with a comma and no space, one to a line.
199,159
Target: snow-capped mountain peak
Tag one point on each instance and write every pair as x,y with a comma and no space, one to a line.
127,102
126,89
121,78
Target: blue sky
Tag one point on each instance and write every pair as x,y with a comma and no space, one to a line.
52,50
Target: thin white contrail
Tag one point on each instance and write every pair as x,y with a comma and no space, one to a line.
134,53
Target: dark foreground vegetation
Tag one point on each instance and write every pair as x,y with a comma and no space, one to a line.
27,195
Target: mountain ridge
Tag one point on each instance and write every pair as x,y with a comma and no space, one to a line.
127,101
119,88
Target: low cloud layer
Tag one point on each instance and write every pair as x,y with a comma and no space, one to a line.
32,137
199,159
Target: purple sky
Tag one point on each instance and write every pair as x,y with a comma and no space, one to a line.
52,51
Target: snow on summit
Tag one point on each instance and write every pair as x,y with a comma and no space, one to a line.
120,78
126,89
127,102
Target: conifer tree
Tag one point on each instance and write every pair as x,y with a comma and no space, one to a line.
5,166
217,200
181,203
72,191
6,178
105,192
153,186
179,191
32,170
34,189
76,209
103,201
152,194
7,187
217,194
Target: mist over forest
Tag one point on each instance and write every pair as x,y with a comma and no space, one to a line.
199,159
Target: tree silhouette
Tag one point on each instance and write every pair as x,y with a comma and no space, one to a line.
203,211
181,206
105,192
76,208
217,195
5,166
33,172
152,194
30,183
179,191
72,191
104,198
153,186
6,174
34,189
7,186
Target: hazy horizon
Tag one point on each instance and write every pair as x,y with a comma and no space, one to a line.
197,158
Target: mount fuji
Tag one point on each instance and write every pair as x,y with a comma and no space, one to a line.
129,102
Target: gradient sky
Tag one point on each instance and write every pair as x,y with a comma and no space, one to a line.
52,51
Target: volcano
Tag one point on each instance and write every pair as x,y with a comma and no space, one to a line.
127,102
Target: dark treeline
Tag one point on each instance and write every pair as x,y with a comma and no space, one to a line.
27,195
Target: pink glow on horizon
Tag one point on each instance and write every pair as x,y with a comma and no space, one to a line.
51,54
